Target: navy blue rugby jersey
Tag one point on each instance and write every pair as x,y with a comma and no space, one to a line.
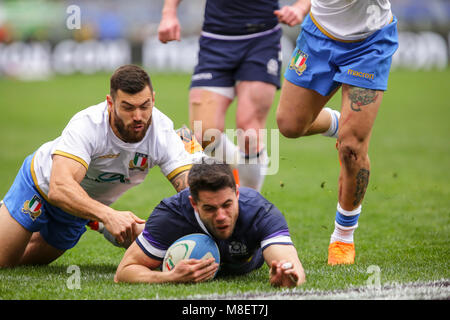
259,225
238,17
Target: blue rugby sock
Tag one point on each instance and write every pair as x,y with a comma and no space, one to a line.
345,224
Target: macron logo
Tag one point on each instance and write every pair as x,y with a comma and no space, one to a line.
360,74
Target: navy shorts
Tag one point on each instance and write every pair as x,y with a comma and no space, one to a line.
29,207
323,64
223,60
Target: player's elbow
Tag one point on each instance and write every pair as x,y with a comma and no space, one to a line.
119,276
55,194
126,273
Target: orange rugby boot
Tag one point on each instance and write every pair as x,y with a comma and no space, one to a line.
341,253
190,142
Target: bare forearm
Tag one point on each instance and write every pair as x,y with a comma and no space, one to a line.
72,198
180,181
140,274
304,5
170,7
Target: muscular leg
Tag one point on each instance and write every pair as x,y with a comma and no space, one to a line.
300,113
20,246
209,108
359,110
13,239
254,101
38,251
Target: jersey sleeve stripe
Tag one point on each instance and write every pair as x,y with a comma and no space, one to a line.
148,249
276,240
35,180
71,156
178,170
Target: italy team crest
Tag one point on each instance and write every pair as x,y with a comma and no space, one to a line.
298,62
33,207
140,162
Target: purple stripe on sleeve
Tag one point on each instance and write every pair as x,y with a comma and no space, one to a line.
284,232
152,240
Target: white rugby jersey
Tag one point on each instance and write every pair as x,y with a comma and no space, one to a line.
113,166
350,20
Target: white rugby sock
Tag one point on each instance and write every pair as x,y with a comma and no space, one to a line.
333,129
252,169
223,150
342,234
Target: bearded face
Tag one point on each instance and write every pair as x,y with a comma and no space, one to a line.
131,114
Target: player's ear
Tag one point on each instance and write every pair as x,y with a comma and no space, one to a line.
193,203
109,100
237,192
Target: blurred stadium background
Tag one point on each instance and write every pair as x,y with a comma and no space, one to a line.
38,38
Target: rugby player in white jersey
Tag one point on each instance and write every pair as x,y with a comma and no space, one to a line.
103,151
344,44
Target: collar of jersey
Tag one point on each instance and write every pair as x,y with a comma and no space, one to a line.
200,222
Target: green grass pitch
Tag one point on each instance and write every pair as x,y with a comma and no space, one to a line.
404,228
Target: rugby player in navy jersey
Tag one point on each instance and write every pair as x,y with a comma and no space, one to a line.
247,228
239,57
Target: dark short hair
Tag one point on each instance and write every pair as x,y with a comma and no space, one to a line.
210,177
130,79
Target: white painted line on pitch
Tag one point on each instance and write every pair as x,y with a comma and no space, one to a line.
431,290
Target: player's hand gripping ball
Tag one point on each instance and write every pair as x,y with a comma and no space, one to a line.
193,246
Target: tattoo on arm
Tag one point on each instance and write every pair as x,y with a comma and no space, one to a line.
179,182
360,97
362,181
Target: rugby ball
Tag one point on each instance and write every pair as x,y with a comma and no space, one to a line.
191,246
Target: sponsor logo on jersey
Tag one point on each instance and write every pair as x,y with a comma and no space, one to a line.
139,162
298,62
33,207
109,156
111,177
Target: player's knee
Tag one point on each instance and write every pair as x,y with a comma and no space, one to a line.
248,126
352,152
289,128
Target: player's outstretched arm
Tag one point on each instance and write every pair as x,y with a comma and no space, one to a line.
169,27
66,193
137,267
286,269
